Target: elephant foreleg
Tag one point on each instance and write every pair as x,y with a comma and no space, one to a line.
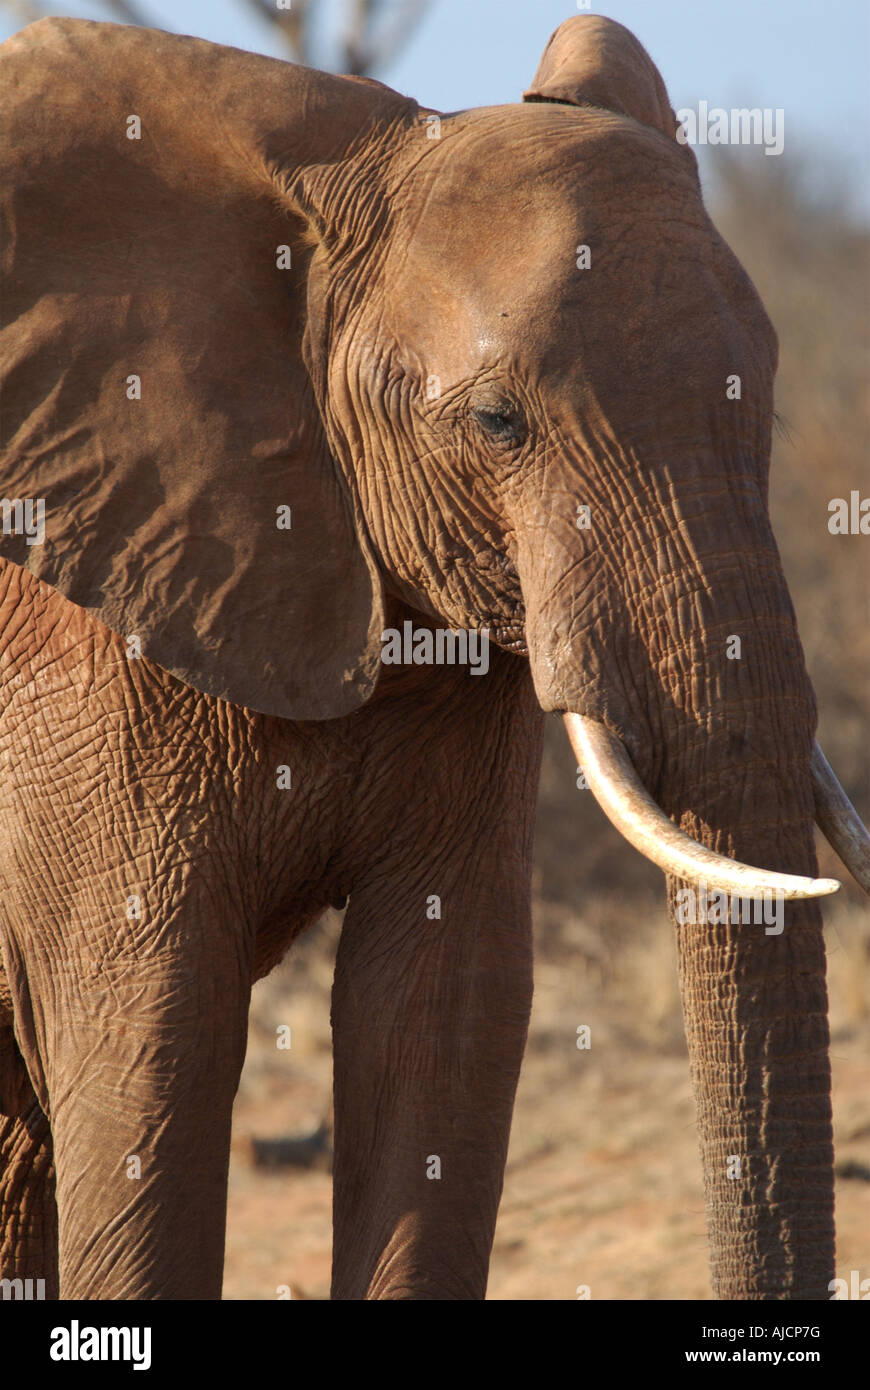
430,1012
28,1211
136,1059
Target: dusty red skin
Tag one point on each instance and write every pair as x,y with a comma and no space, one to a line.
413,260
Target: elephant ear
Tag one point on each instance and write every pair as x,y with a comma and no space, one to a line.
170,208
593,61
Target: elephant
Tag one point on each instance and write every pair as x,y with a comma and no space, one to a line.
291,364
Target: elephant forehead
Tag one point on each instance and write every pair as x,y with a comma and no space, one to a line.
500,178
490,224
474,312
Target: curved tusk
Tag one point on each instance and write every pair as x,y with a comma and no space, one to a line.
838,820
614,782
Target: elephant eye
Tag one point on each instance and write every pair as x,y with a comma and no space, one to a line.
502,422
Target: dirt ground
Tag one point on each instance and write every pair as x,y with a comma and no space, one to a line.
603,1185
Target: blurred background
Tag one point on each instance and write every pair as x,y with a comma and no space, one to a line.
603,1185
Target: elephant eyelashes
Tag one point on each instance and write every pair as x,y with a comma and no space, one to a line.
502,423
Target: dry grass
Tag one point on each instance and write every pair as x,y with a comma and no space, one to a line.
604,1184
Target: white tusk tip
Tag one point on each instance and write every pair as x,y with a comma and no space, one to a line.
820,887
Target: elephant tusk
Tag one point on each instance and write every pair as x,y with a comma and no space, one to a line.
838,820
625,801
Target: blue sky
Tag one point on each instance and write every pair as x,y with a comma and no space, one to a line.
809,57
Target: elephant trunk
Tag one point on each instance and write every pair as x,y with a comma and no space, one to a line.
736,775
755,1008
752,979
705,681
772,1205
752,982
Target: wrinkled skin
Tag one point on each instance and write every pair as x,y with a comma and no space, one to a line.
415,261
182,808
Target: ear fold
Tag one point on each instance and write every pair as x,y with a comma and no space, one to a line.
155,397
593,61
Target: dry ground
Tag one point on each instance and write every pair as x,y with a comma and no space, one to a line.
603,1186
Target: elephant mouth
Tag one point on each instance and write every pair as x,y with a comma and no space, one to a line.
511,637
619,791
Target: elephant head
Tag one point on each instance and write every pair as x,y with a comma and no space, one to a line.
281,346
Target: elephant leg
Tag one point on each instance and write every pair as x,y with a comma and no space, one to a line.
28,1211
430,1015
135,1053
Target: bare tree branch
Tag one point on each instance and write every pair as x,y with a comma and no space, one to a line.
127,13
356,26
23,11
364,43
293,25
406,21
27,12
362,50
